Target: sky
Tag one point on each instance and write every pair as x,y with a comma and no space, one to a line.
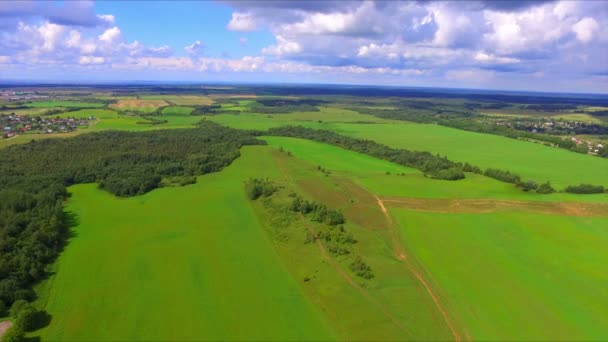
559,46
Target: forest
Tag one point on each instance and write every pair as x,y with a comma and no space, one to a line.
34,178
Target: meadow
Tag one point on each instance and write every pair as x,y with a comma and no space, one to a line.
473,259
185,266
530,160
516,276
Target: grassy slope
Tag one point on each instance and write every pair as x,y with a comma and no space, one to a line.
186,263
176,110
515,276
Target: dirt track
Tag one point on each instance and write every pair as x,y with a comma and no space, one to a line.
491,205
4,326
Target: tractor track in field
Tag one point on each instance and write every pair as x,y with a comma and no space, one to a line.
476,206
403,257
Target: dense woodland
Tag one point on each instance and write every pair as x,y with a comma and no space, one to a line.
34,177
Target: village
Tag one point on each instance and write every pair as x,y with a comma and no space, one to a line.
12,125
571,129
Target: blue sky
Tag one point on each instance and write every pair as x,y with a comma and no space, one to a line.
487,44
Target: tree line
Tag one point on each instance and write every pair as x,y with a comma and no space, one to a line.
433,165
34,178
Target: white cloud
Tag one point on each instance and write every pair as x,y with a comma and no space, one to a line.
283,47
90,60
195,48
106,18
110,35
5,59
585,29
241,22
50,34
489,58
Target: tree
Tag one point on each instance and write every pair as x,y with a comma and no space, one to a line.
528,185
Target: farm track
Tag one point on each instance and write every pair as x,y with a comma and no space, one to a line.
368,199
400,254
476,206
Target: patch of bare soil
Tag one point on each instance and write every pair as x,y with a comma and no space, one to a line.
492,205
4,326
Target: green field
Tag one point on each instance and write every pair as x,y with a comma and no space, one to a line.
185,266
65,104
176,110
516,276
532,161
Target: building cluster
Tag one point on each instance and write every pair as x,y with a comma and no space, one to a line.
593,147
10,95
12,125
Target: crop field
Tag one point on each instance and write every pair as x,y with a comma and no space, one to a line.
145,106
516,276
65,104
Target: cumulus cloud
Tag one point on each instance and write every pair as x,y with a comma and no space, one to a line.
195,48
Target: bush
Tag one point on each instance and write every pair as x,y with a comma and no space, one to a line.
361,269
503,176
256,187
528,185
545,188
17,306
2,308
585,189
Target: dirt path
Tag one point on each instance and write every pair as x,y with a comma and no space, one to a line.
4,326
492,205
349,279
401,255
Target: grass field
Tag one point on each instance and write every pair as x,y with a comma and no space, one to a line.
515,276
176,110
65,104
184,266
371,173
532,161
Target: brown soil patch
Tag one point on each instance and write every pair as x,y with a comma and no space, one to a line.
4,326
191,100
491,205
134,103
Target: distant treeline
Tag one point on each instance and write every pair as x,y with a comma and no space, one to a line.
283,106
34,177
432,165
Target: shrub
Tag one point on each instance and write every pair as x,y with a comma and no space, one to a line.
545,188
528,185
2,308
361,269
585,189
503,176
256,187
